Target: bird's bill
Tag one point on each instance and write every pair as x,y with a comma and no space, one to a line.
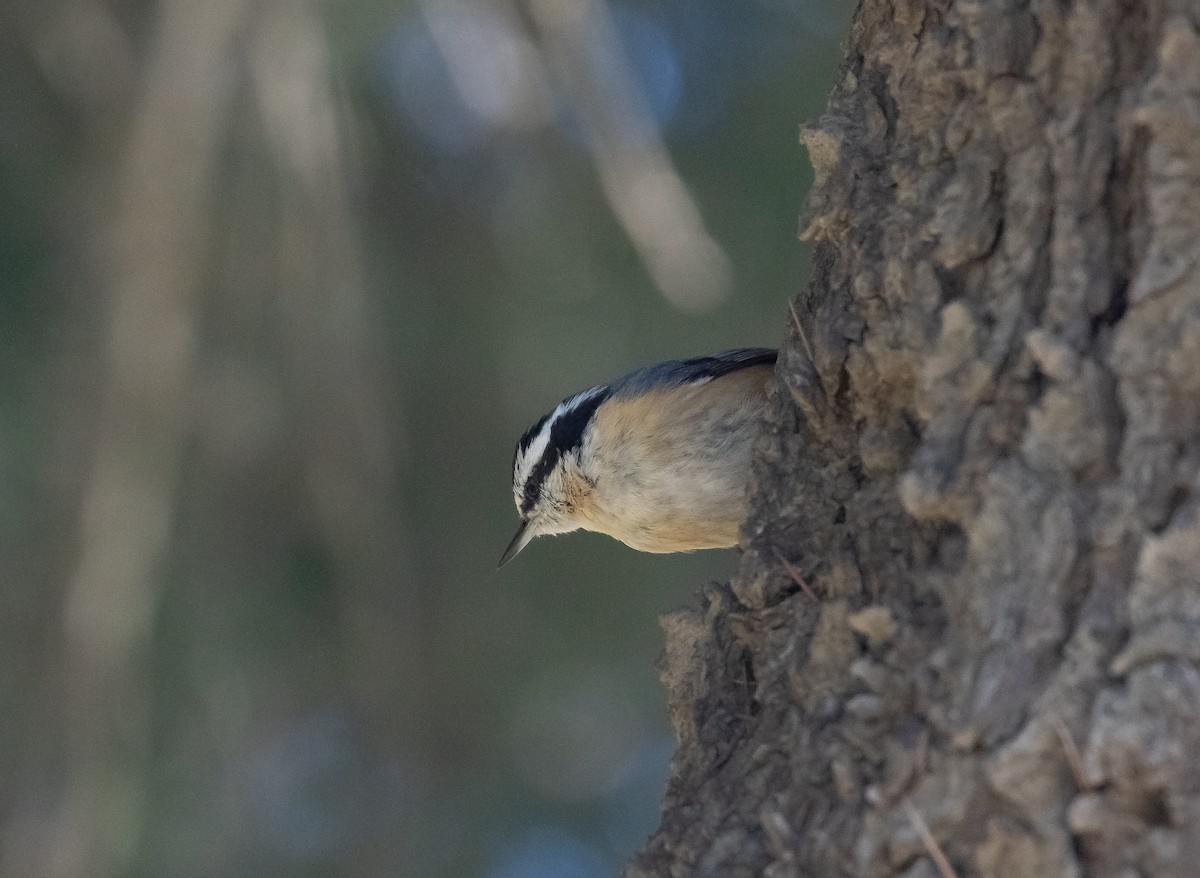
525,533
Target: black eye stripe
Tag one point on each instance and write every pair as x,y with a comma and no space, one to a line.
533,485
566,434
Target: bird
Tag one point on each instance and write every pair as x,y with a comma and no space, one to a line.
658,459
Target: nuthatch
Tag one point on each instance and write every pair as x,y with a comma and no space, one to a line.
659,459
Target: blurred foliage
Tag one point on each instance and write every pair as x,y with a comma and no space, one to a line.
359,256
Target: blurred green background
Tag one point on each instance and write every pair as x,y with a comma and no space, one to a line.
281,283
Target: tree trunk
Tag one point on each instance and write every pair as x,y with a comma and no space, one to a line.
965,635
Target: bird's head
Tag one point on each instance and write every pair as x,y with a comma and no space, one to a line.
550,470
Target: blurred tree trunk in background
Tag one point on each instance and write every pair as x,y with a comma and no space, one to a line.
237,372
964,636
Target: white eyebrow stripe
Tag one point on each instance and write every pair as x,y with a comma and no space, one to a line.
531,455
568,405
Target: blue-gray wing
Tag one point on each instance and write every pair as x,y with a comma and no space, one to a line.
674,373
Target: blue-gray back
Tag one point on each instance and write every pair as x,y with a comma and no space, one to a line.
676,372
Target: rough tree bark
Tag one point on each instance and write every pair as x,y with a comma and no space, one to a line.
969,601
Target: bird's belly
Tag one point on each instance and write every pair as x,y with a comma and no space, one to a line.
680,510
680,483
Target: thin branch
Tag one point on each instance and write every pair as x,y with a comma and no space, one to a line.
796,576
1073,756
800,331
152,250
643,188
931,844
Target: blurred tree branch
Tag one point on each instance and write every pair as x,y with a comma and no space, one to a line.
155,256
639,178
348,432
152,255
576,47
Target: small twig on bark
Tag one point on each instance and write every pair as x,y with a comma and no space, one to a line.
796,576
1073,756
931,844
813,400
921,754
800,330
